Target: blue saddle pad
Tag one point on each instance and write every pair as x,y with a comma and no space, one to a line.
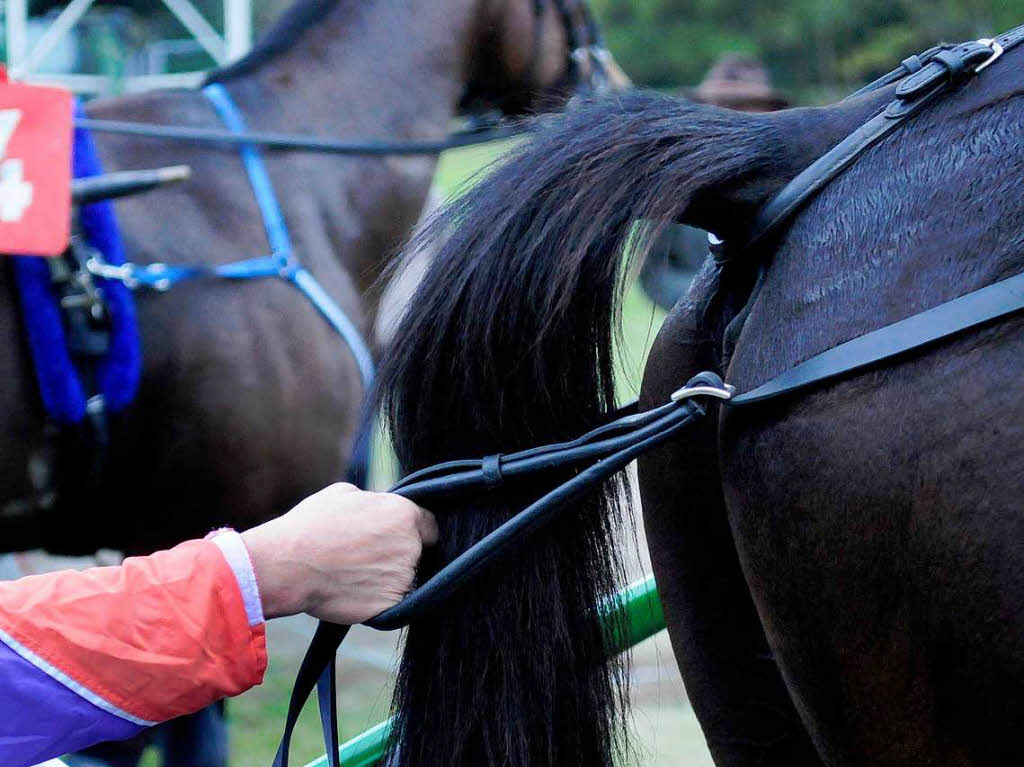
117,374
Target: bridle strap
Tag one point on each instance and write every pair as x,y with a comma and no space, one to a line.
922,79
296,142
317,663
893,341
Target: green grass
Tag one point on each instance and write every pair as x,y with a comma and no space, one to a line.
258,715
458,167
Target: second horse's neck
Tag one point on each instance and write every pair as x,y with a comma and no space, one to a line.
386,68
382,69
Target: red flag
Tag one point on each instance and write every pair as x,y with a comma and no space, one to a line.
35,169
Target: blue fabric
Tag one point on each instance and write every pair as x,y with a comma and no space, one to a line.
41,718
118,373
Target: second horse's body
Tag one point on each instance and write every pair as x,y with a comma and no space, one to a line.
249,400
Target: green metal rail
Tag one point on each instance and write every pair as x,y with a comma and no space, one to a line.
632,616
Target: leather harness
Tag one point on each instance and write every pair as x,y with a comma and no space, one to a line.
599,454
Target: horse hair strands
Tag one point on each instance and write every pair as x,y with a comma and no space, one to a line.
508,343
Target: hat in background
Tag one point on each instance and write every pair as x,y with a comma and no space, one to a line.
738,81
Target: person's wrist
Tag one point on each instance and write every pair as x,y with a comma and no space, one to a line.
235,553
282,589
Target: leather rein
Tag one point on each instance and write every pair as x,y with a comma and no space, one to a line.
600,453
584,45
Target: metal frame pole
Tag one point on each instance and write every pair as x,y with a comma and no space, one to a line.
199,28
237,28
63,24
22,61
16,20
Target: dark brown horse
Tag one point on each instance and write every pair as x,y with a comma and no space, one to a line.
249,400
842,572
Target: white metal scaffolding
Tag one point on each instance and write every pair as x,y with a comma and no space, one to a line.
24,60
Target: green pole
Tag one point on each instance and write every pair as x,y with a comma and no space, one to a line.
632,616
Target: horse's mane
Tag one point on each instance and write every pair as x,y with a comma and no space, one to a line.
286,31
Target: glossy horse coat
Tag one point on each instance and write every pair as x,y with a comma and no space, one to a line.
840,571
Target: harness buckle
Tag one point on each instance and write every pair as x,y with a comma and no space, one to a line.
160,284
701,385
124,273
992,45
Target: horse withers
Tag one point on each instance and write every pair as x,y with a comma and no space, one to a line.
840,569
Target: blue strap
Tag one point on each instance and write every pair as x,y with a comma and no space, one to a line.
263,189
282,262
333,313
165,276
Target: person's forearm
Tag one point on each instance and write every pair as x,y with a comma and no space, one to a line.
100,654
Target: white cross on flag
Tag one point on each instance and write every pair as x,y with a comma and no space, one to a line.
35,169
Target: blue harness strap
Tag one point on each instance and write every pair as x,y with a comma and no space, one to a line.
282,261
262,188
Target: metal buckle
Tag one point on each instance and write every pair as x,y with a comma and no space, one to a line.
992,45
163,284
580,55
686,392
129,274
123,273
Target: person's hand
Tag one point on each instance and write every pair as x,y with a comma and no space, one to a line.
342,555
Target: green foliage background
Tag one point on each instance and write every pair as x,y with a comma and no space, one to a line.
814,49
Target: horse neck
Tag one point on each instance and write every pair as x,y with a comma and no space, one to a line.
378,69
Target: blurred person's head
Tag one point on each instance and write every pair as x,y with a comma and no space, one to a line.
739,81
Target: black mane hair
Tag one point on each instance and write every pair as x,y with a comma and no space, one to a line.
507,344
285,32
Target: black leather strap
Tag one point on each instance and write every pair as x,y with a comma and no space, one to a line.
319,656
892,341
504,539
943,68
908,66
327,701
610,447
290,141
